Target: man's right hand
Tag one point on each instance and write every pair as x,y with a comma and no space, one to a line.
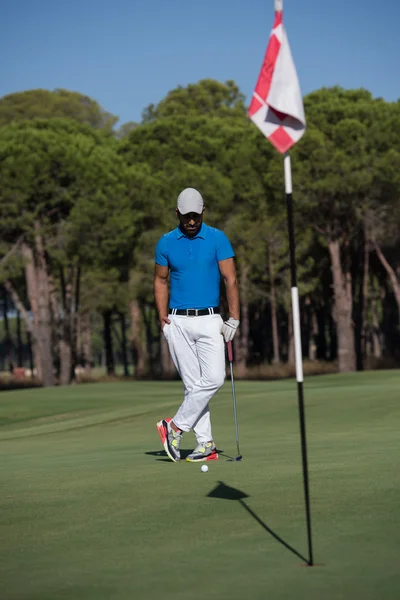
163,321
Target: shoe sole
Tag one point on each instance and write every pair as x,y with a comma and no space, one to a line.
206,458
163,438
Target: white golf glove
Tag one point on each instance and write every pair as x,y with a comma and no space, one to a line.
228,329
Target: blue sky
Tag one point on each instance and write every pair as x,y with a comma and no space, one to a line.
128,54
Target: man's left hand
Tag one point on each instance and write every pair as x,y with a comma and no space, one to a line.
228,329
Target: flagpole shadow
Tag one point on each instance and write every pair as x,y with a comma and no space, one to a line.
227,492
269,530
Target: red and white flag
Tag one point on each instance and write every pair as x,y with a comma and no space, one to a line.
277,106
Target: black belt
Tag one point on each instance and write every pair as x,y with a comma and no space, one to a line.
195,312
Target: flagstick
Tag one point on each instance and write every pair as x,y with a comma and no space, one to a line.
297,342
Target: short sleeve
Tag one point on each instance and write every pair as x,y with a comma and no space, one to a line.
224,247
161,254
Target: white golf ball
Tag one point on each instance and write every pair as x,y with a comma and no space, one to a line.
204,468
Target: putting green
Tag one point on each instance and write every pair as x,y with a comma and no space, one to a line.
91,508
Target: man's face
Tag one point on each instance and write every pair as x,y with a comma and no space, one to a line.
190,223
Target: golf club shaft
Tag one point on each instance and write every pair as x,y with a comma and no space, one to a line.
230,358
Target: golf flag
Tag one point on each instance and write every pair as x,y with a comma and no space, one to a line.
277,106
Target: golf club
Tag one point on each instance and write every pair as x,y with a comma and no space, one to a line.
230,358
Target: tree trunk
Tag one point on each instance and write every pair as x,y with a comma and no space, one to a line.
32,342
312,352
65,361
243,338
321,335
108,346
57,318
18,305
74,322
66,333
123,344
30,353
343,310
86,341
7,336
274,316
376,340
44,314
365,296
391,274
306,327
148,313
20,350
333,341
360,312
138,339
32,288
38,293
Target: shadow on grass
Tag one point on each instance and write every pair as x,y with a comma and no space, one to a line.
184,454
226,492
162,454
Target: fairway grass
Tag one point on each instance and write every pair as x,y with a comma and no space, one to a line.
91,509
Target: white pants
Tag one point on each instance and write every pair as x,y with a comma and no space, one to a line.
197,349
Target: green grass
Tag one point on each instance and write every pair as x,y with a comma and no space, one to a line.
90,509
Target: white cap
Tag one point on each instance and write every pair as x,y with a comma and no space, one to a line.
190,200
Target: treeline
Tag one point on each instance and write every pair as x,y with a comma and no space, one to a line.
82,205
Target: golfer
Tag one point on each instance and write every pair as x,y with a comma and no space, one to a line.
194,256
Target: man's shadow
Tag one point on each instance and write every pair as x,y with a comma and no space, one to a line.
163,456
184,453
226,492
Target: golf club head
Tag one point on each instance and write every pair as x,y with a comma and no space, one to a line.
236,459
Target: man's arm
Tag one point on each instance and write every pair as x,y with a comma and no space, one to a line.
161,293
228,271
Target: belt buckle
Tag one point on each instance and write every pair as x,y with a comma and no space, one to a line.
196,312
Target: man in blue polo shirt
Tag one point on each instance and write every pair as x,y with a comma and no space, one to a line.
194,256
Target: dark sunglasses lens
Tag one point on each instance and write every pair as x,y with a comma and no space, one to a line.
192,216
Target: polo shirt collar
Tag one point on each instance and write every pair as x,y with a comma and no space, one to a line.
202,233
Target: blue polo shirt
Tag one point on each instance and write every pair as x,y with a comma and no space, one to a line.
193,264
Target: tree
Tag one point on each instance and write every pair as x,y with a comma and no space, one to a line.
383,217
335,177
125,129
200,136
69,195
205,98
187,147
59,103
